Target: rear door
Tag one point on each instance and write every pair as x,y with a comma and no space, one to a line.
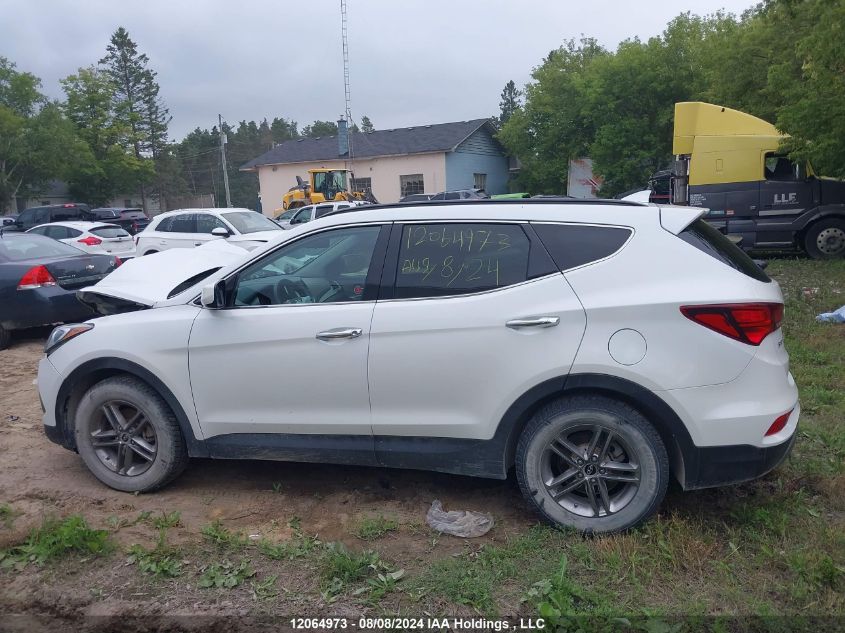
181,232
472,315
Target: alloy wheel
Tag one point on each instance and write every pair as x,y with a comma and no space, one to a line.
123,438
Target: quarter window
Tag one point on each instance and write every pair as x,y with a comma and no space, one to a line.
411,184
572,245
328,267
450,259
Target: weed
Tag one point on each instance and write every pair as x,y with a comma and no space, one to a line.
169,520
297,547
161,562
225,575
265,589
339,562
384,582
7,515
216,533
55,539
372,528
277,488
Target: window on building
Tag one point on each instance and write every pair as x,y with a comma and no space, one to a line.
362,184
438,260
411,184
479,181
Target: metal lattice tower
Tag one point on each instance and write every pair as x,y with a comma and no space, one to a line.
344,28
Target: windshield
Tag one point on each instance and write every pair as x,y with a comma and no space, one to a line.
251,222
30,246
287,215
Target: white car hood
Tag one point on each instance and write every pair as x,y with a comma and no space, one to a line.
258,236
147,280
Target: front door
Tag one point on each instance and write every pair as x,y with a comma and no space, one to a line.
477,314
289,356
784,195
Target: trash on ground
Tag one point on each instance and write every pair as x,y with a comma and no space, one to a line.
809,292
837,316
12,418
463,523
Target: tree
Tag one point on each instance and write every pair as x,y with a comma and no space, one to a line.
367,125
319,129
110,165
37,143
136,99
510,101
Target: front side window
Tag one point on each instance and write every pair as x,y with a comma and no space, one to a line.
303,216
411,184
206,223
780,168
250,222
328,267
450,259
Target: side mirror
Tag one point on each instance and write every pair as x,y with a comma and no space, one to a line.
214,295
219,231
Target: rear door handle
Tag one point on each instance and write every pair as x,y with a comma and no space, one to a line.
544,321
339,333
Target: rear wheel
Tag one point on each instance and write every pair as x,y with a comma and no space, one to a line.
5,337
128,436
592,464
826,239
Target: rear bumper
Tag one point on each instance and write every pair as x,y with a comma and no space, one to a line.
723,465
43,306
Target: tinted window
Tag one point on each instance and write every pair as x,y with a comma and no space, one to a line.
57,232
64,214
327,267
709,240
164,225
28,246
322,210
39,230
251,222
73,232
303,216
109,232
449,259
572,245
206,223
184,223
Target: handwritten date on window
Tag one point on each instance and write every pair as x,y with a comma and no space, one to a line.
458,255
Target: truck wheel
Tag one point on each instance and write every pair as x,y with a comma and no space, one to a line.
592,464
826,239
5,337
128,436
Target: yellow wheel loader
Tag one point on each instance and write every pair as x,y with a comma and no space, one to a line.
326,185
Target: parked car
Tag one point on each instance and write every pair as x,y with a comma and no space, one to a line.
312,212
7,221
598,348
188,228
38,281
461,194
131,220
283,218
34,216
416,197
92,237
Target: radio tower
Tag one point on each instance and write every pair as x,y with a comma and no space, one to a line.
346,94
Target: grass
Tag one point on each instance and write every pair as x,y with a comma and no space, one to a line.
56,539
7,515
224,537
162,561
371,528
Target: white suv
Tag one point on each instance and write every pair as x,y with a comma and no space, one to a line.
187,228
597,348
294,217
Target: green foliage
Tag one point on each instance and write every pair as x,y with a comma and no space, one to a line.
320,129
509,103
56,539
296,547
167,520
161,562
340,563
223,537
7,515
372,528
225,575
367,125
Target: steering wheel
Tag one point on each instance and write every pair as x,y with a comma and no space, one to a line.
288,291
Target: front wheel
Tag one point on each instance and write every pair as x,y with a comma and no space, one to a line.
826,239
128,436
592,464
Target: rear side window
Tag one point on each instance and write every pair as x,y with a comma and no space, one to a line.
322,210
572,245
438,260
109,232
709,240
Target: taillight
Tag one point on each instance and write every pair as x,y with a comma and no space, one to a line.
745,322
779,424
117,262
36,277
90,240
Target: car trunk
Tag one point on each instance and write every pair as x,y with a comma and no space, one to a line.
77,272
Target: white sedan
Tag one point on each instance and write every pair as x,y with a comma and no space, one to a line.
96,238
187,228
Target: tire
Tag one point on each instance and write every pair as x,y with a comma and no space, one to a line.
153,453
635,453
5,337
826,239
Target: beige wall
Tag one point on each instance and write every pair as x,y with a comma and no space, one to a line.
384,173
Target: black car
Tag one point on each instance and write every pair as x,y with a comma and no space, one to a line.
130,220
39,278
68,212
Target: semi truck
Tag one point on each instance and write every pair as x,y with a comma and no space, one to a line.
733,164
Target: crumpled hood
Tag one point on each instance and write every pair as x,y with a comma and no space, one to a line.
258,236
143,281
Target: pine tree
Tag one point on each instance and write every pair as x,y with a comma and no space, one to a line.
367,125
510,102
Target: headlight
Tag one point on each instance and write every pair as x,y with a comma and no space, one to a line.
63,333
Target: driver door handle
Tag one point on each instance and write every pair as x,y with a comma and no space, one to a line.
544,321
340,332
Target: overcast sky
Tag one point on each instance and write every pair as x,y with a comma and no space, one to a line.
413,62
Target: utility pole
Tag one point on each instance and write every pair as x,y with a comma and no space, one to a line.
223,159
